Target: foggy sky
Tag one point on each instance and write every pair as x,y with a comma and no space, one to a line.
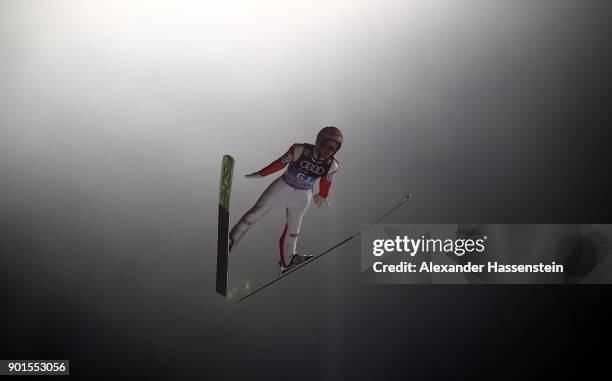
114,117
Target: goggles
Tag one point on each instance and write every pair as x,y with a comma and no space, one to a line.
330,144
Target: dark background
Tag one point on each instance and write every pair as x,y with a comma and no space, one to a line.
114,117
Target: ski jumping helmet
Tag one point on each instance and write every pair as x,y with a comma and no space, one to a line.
330,133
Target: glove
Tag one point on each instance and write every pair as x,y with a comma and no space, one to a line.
254,175
320,200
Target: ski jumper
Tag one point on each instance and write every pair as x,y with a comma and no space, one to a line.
292,191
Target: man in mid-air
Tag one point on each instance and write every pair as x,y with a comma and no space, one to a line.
293,190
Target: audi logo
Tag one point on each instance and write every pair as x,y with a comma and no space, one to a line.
312,168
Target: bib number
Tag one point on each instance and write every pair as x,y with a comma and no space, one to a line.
302,177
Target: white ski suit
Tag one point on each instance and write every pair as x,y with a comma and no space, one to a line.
292,191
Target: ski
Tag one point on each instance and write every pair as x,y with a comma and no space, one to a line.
293,269
225,190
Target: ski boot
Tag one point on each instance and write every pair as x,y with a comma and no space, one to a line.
296,260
